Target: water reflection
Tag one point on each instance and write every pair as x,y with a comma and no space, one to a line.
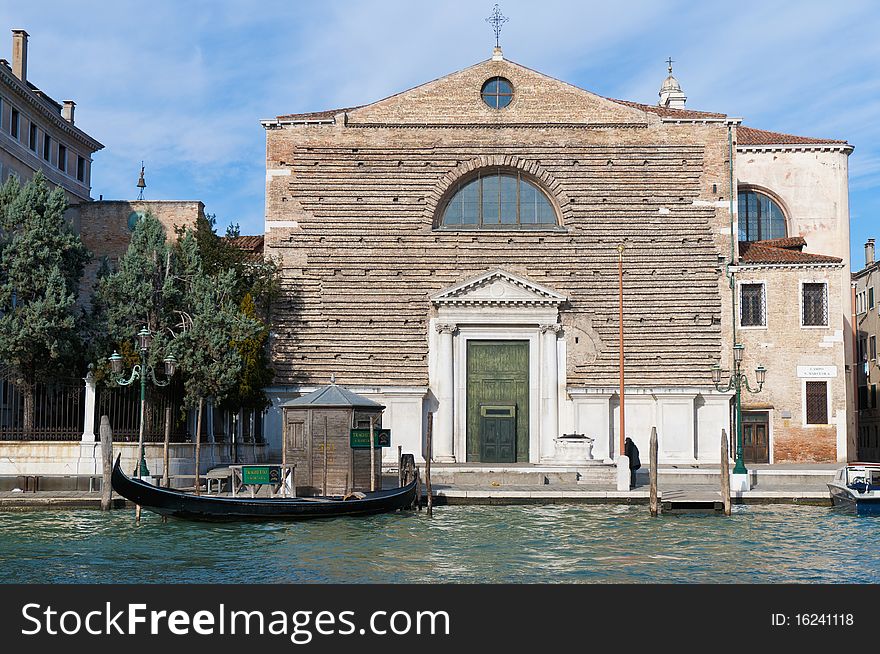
530,544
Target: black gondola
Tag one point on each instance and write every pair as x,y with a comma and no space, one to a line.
165,501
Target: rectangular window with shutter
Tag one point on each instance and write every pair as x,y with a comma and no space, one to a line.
817,402
815,304
296,435
752,305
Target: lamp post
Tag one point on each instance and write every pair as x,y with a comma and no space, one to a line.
140,372
737,382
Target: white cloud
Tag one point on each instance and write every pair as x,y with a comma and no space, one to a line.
183,85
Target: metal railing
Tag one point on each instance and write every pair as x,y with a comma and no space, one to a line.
57,412
122,406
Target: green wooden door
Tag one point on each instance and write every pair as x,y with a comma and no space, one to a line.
498,374
497,433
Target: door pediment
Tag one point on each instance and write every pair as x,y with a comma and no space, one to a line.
498,287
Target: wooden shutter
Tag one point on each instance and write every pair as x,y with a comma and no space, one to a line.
817,403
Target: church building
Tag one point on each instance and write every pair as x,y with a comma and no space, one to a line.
454,252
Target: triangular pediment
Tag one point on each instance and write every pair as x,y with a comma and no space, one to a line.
537,100
498,287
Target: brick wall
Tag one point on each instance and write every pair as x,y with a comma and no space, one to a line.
104,228
784,345
351,206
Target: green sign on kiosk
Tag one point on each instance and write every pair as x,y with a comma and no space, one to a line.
261,474
360,438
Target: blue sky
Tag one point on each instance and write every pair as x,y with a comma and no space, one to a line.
183,86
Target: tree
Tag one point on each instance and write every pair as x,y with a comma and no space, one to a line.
256,373
259,278
41,264
144,291
254,287
211,324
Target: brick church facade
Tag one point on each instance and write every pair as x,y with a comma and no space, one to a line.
452,252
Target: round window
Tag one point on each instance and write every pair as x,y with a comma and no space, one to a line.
497,92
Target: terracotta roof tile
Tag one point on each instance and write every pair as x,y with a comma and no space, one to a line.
667,112
317,115
780,251
788,243
251,245
752,136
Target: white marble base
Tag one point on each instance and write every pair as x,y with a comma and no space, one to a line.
573,450
739,483
623,475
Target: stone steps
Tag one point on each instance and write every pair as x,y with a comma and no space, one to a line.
498,477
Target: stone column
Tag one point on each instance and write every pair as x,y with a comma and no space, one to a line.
89,461
549,391
88,435
444,419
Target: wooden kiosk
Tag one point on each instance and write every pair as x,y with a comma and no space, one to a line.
317,440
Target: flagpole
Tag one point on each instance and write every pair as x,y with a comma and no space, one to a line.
620,249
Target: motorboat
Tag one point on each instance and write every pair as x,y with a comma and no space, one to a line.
856,488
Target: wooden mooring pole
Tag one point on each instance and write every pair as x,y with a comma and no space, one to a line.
725,474
655,505
429,444
324,479
372,457
107,464
166,475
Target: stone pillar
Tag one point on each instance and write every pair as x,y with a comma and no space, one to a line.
89,462
444,419
549,391
88,435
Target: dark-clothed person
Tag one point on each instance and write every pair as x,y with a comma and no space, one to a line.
630,450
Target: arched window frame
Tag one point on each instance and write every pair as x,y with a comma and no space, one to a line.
520,175
760,190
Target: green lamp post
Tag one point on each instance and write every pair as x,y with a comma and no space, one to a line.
737,382
141,372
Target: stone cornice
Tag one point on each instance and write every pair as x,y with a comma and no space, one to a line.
757,266
461,294
589,126
37,103
798,147
700,121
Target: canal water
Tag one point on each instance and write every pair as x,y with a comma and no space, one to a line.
494,544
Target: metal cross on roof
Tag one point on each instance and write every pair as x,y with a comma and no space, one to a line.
496,20
669,64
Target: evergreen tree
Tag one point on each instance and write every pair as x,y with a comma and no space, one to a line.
212,323
144,291
254,287
41,264
256,373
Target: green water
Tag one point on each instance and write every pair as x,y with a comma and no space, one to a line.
520,544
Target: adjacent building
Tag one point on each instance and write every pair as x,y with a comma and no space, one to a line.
866,284
39,133
452,252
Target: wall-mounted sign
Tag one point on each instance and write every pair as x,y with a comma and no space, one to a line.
813,372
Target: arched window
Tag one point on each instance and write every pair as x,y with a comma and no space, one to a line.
496,198
760,217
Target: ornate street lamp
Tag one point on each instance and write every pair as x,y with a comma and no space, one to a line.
737,382
141,371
